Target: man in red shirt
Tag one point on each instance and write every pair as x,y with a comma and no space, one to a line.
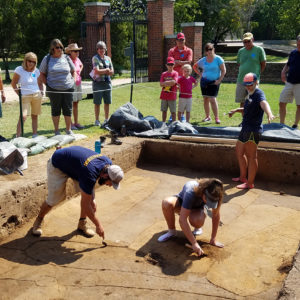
181,53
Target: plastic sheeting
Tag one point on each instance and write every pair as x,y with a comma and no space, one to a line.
137,125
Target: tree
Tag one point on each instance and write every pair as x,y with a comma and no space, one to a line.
289,19
220,17
9,32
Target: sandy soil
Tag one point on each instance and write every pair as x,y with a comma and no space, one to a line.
260,229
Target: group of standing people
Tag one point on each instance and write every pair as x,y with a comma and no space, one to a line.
210,68
60,71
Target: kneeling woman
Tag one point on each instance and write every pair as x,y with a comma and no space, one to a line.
190,204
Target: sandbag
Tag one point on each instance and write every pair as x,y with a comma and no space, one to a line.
48,143
63,139
21,142
36,149
39,138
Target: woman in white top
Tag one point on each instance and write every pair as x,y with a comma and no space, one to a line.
28,76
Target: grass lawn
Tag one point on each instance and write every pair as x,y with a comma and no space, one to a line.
146,100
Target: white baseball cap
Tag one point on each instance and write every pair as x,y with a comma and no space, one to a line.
115,174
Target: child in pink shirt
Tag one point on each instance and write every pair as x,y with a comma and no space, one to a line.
186,83
168,95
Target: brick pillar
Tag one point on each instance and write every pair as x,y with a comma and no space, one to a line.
193,37
94,13
160,23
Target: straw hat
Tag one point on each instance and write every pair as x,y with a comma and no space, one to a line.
72,47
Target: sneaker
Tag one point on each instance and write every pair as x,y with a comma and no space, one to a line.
78,126
237,179
97,123
245,186
69,132
73,127
197,231
218,121
207,119
183,120
295,126
83,227
166,236
35,135
37,227
57,132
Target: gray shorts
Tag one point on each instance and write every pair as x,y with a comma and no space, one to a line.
102,89
240,93
185,104
77,96
168,103
57,182
290,92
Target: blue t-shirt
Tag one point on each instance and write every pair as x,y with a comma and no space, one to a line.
189,199
211,70
81,164
294,67
253,113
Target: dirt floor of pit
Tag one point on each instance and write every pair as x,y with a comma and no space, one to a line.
260,229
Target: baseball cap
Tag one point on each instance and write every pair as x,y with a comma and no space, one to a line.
211,201
248,36
170,60
249,79
180,36
115,174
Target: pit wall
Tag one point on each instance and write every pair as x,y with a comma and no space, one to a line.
274,165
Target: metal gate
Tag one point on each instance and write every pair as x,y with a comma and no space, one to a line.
135,12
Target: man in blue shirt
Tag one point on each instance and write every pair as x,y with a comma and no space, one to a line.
292,84
85,167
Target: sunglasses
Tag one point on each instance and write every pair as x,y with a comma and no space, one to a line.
247,42
31,61
209,49
59,47
75,51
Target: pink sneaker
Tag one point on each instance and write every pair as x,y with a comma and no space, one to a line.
245,186
218,121
237,179
207,119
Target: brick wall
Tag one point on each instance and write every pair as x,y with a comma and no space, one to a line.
160,23
94,12
272,73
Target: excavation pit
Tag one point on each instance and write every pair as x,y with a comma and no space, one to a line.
260,229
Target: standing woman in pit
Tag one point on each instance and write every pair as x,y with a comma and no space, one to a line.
246,146
211,69
31,90
102,71
58,73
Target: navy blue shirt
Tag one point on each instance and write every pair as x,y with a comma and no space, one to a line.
294,67
253,113
81,164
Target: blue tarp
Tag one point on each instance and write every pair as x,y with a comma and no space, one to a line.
137,125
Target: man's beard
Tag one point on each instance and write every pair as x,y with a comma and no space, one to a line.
102,180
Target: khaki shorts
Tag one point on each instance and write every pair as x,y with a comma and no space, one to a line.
168,103
77,96
185,104
290,92
57,181
33,103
